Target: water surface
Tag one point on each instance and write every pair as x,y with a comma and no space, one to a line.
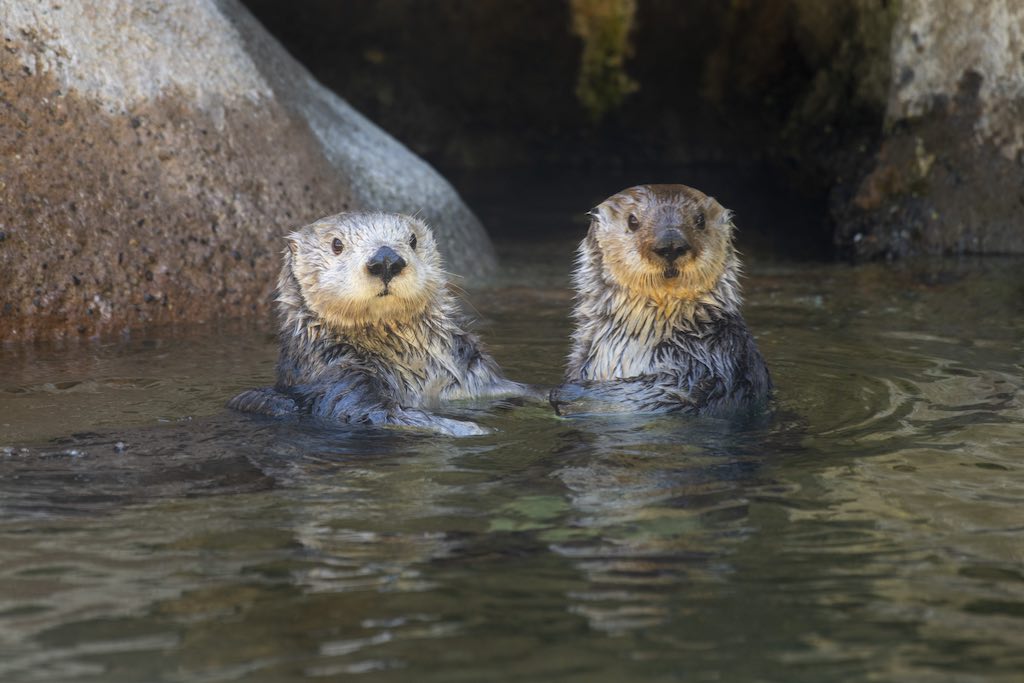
873,530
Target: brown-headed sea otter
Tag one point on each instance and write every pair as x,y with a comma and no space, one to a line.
658,323
369,332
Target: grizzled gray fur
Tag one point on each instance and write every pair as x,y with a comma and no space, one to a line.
369,331
658,323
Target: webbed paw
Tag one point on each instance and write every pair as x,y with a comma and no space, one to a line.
264,401
443,425
569,399
439,425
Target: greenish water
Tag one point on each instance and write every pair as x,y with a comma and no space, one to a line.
873,530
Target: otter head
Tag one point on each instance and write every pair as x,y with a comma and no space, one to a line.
360,269
665,242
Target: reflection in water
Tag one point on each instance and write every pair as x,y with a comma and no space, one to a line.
870,530
657,505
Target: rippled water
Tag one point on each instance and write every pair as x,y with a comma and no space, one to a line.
873,530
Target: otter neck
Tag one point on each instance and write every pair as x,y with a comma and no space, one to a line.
619,330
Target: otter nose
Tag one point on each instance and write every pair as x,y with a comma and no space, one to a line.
671,244
385,264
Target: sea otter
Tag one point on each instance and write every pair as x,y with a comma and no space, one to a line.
369,332
658,323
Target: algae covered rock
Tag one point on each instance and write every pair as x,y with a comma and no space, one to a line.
948,176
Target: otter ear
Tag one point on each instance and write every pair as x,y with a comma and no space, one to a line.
292,240
720,214
724,217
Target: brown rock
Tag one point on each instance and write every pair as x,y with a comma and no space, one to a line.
153,155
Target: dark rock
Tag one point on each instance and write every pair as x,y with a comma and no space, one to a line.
853,100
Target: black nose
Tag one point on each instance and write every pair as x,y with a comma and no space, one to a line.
670,245
385,264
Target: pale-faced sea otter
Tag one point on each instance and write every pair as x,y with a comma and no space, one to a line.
369,332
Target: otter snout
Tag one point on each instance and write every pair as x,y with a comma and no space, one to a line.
385,264
670,244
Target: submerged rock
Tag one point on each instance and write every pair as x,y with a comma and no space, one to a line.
155,152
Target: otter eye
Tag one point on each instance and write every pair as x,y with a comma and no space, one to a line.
699,221
633,221
412,242
337,246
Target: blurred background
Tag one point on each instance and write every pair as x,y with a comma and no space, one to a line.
844,119
754,102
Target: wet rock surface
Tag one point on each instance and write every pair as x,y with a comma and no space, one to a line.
949,173
153,155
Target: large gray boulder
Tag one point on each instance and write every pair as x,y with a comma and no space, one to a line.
154,152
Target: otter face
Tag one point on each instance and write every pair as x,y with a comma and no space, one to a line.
662,241
358,269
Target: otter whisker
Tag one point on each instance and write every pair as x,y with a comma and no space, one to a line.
450,275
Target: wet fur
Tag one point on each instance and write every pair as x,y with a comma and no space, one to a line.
356,350
644,342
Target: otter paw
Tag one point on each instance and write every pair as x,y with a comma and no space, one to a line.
443,425
568,399
439,425
265,401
